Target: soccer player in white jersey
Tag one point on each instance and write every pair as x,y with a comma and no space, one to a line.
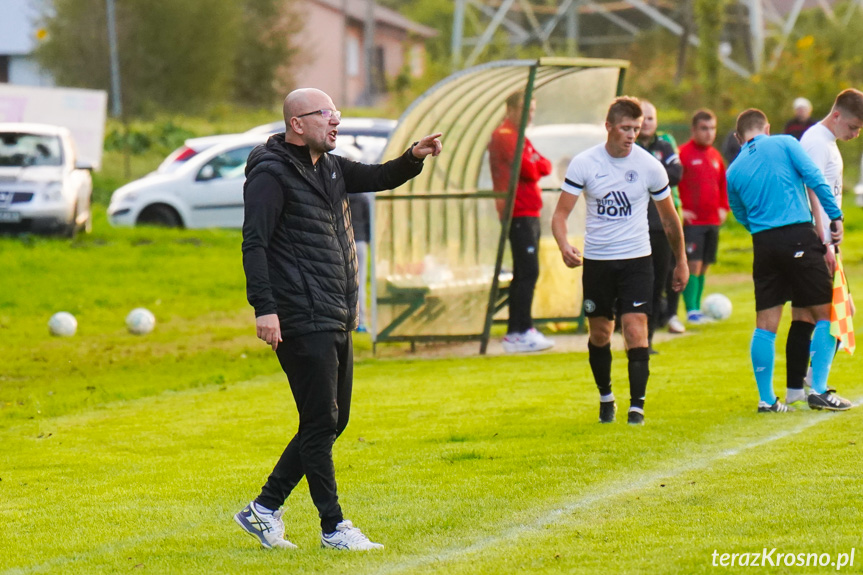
819,142
617,180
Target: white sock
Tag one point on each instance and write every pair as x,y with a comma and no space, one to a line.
606,398
792,395
261,509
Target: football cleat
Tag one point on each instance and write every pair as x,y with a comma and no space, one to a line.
607,409
635,416
777,407
829,401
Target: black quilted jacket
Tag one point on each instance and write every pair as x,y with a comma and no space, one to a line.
298,243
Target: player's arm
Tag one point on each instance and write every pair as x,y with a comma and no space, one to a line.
672,164
263,200
817,211
737,207
674,232
533,165
565,204
814,179
724,208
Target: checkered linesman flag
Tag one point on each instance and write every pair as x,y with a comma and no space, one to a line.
841,324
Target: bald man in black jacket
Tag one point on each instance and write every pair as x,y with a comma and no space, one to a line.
300,261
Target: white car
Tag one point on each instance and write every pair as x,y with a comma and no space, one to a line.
205,191
43,188
366,134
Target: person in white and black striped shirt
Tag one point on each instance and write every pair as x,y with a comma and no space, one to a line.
617,180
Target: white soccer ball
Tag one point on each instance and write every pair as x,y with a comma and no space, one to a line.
63,324
140,321
717,306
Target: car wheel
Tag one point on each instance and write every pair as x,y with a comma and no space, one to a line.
160,215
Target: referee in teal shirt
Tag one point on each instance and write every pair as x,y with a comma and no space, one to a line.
766,193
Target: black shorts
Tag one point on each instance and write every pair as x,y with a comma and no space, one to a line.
788,265
629,283
702,243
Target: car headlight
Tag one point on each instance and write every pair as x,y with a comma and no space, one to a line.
124,198
53,193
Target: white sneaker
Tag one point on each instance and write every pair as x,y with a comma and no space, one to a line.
531,340
535,336
267,528
348,538
675,325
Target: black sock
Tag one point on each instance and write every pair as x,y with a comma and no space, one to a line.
600,365
797,353
639,371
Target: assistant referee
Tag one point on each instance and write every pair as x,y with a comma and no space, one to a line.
766,193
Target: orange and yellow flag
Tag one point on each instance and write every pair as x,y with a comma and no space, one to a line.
841,324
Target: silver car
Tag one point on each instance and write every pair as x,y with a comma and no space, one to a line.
42,186
204,191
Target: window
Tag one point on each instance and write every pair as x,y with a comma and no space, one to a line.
352,57
22,150
227,165
4,69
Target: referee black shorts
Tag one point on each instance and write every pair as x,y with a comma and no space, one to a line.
629,283
788,265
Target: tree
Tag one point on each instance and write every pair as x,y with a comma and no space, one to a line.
709,17
177,56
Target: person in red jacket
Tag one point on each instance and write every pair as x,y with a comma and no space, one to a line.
704,199
525,230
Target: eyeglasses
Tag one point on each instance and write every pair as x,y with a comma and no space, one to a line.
326,114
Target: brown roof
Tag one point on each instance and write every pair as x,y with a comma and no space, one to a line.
357,10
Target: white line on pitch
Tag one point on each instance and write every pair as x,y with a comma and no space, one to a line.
591,499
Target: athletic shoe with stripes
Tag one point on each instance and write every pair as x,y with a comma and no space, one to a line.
829,401
267,528
777,407
348,538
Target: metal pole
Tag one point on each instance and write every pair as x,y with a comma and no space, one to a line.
572,29
117,106
457,34
510,204
756,31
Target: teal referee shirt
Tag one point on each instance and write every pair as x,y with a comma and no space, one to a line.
766,184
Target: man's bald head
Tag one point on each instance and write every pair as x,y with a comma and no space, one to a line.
650,123
304,100
304,126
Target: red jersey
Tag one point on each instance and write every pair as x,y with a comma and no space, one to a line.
702,187
501,149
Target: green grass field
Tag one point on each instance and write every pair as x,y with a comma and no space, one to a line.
131,454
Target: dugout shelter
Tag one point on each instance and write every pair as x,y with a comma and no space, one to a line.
440,255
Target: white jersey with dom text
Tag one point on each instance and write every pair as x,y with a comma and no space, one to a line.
616,191
820,145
